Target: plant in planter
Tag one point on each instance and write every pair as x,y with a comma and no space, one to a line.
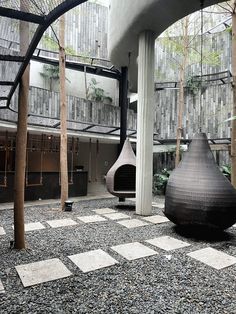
160,181
226,170
97,93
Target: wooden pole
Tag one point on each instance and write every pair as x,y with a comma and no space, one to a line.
181,91
63,112
21,143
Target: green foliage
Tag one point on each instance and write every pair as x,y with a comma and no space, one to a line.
50,71
97,93
194,84
226,170
160,181
70,51
50,43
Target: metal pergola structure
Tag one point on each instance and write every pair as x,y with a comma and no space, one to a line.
41,15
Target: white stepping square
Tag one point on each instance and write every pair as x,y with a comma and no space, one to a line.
132,251
101,211
234,226
213,258
61,223
43,271
167,243
156,219
33,226
158,205
92,260
93,218
2,231
132,223
117,216
1,288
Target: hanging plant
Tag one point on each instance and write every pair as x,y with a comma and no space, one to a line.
194,84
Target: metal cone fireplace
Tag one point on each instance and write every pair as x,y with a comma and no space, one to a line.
120,179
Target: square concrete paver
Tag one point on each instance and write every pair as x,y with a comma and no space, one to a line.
167,243
2,231
92,260
43,271
132,223
213,258
158,205
1,288
101,211
116,216
92,218
156,219
33,226
61,223
132,251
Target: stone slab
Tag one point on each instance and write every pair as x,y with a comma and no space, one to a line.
156,219
213,258
132,251
101,211
32,226
158,205
2,290
117,216
132,223
92,218
92,260
43,271
57,223
167,243
2,231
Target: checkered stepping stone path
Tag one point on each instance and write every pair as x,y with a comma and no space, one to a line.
61,223
101,211
132,251
132,223
43,271
116,216
92,260
213,258
167,243
92,218
1,288
156,219
2,231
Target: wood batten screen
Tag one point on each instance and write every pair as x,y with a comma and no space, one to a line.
120,179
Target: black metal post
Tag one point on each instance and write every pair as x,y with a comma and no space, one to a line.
123,102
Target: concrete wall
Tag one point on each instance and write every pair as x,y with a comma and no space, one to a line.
75,82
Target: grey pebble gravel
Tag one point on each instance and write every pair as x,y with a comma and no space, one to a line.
156,284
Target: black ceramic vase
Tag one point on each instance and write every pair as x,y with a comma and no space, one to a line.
197,193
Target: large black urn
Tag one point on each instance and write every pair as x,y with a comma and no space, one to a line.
197,193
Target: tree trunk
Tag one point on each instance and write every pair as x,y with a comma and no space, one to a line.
181,91
21,143
63,111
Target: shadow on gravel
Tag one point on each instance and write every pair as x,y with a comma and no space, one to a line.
125,207
211,235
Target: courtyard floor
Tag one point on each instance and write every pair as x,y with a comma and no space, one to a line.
103,259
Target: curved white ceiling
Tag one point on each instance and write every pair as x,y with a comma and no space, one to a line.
127,18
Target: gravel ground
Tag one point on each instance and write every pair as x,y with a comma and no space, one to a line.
148,285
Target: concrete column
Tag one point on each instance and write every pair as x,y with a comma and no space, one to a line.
145,119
